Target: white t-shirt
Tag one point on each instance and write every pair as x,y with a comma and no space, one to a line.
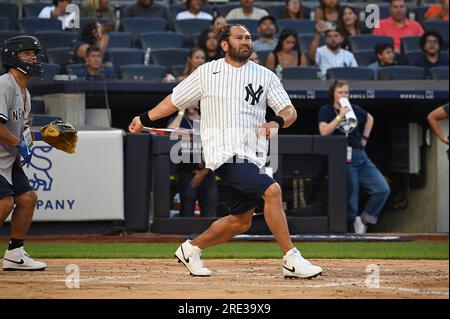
233,106
238,13
67,20
326,59
184,15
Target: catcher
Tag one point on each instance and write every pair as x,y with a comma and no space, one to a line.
20,60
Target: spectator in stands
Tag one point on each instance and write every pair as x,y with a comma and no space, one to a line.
209,42
328,11
254,57
294,9
93,69
431,43
218,23
196,57
194,11
330,55
385,57
360,169
149,9
397,25
439,114
247,11
195,181
437,11
97,9
348,22
58,11
287,53
267,29
92,34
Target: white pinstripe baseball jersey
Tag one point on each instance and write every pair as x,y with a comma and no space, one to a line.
233,105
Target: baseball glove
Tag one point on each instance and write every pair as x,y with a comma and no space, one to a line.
61,135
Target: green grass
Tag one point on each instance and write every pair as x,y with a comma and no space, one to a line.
405,250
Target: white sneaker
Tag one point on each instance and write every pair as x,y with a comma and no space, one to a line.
189,255
359,226
18,259
295,266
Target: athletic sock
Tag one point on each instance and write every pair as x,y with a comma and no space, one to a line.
15,243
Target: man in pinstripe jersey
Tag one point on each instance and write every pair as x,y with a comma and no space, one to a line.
234,94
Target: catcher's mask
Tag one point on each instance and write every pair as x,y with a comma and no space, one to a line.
11,49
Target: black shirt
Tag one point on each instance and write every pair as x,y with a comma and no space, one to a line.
327,114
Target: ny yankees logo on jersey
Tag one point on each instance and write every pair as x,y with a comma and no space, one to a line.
255,95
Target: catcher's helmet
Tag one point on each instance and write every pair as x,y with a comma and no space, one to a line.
11,60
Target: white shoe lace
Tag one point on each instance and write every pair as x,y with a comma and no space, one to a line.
196,256
302,260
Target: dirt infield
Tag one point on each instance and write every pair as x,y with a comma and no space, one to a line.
234,279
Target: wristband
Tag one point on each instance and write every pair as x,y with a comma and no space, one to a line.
338,118
279,120
145,120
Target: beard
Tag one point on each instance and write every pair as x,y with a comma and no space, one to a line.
239,56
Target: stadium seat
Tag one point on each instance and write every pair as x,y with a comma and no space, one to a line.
50,70
6,34
177,70
138,25
440,26
37,106
412,57
143,72
10,11
420,13
120,40
190,26
301,26
408,44
169,57
359,73
439,73
301,73
305,41
86,21
34,24
225,8
4,23
252,25
367,41
75,68
161,40
403,72
365,57
56,39
124,56
61,56
262,56
33,9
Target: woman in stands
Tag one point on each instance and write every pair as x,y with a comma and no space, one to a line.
328,11
196,57
209,42
349,23
294,9
287,53
92,34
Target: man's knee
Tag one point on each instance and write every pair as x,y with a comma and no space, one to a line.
242,222
273,192
27,199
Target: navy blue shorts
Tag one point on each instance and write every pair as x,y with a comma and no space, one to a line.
247,184
20,184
